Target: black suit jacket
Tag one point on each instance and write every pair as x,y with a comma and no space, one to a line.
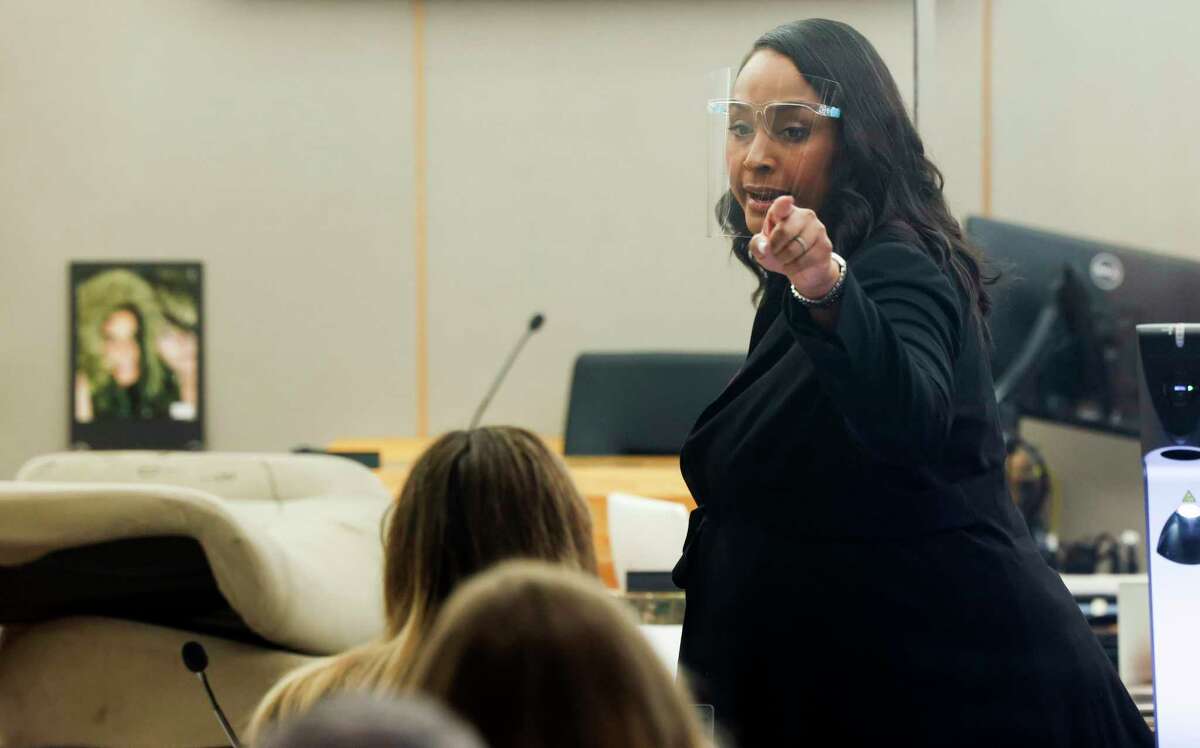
855,546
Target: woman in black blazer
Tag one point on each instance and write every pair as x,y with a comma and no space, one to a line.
856,573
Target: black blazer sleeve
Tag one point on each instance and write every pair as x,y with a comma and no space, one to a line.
888,365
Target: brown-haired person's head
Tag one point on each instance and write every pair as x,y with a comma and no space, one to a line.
537,656
473,499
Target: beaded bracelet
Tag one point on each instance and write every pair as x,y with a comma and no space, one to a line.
835,293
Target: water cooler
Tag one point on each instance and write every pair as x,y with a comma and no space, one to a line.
1169,406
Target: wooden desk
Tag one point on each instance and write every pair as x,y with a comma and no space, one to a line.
595,477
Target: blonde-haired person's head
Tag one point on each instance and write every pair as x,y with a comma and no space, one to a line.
537,656
473,499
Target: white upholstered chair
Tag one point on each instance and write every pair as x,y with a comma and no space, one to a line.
109,561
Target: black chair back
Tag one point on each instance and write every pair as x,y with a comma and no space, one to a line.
641,403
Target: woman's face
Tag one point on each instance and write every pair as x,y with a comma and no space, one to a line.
796,159
122,355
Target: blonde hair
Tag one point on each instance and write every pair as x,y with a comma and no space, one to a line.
537,656
473,498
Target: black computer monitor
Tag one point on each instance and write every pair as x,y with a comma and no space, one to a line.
136,362
1087,374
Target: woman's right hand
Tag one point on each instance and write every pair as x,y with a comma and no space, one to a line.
795,243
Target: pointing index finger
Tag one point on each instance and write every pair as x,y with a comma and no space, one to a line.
779,210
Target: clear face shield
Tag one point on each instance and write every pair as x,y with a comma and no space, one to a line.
766,138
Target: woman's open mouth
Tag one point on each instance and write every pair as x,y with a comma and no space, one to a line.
759,199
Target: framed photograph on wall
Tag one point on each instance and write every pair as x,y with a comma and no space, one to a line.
137,355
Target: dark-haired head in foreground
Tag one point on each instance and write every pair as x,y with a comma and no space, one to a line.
538,657
360,721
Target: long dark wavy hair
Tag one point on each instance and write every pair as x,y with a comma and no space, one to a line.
881,179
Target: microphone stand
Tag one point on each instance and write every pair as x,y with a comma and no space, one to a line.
195,659
225,726
534,324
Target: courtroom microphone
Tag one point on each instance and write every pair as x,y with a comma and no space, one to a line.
535,322
196,660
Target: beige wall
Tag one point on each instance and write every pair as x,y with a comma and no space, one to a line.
1096,119
951,121
267,139
274,142
581,193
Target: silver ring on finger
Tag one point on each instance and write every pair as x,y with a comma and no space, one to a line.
803,246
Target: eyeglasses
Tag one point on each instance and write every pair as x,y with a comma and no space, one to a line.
786,122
